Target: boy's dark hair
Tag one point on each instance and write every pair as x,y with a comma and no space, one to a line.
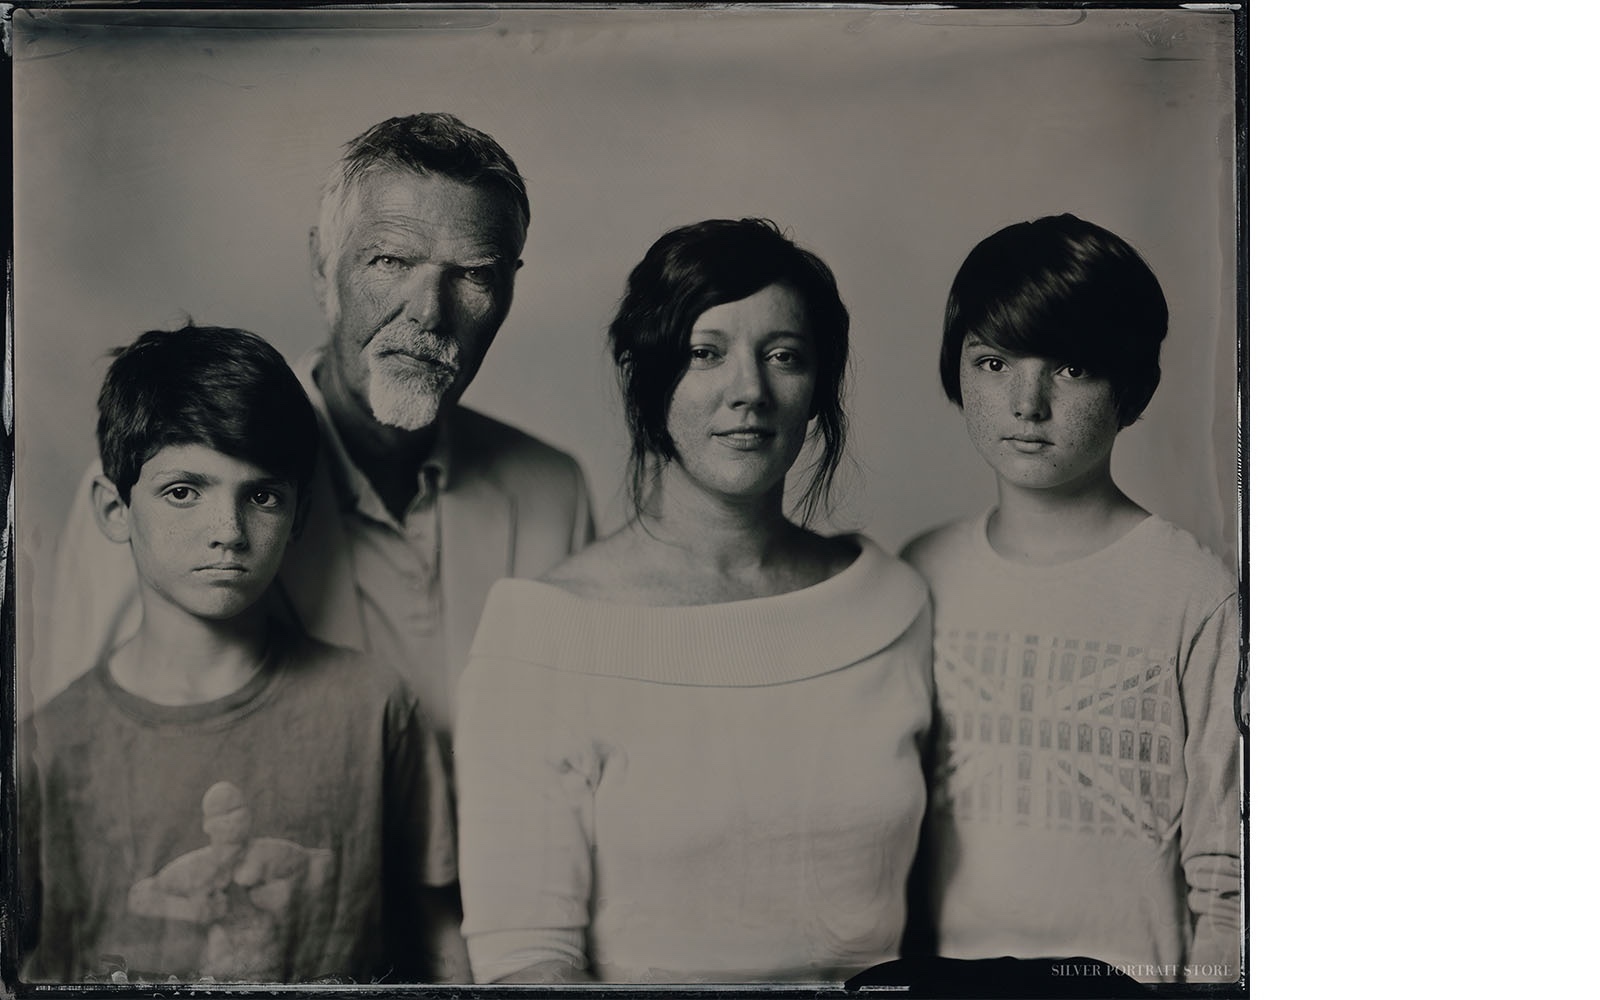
1064,289
692,269
226,389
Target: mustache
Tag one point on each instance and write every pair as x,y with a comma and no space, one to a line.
404,338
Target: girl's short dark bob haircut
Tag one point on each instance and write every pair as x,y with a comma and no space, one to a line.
692,269
225,389
1064,289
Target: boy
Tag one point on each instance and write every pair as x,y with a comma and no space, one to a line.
222,798
1086,652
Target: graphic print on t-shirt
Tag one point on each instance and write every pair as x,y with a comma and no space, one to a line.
245,891
1058,733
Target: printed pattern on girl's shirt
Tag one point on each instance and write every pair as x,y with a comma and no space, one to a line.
1059,733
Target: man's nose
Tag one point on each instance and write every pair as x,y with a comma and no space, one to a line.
427,297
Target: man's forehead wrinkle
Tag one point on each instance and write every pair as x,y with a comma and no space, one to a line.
376,226
431,207
386,193
492,242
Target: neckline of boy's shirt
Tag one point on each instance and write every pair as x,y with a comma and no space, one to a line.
215,713
980,537
352,487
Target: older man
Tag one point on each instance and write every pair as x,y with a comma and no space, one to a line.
419,504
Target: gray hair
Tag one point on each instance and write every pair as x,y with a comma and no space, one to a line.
429,143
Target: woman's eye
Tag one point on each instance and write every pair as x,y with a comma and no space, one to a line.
786,358
701,354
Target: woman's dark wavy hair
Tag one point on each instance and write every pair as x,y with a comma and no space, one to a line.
692,269
1064,289
226,389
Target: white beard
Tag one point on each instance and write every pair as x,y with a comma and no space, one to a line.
409,404
402,395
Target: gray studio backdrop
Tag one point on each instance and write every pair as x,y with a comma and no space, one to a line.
167,166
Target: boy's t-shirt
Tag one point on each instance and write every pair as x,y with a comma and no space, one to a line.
252,838
1089,799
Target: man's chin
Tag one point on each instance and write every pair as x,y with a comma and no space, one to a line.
405,409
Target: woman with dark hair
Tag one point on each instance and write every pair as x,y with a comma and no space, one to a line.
692,752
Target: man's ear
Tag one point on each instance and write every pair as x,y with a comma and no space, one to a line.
110,512
319,268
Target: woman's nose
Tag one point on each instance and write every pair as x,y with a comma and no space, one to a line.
748,383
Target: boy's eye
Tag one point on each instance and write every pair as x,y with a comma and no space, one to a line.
181,494
990,363
265,498
1074,371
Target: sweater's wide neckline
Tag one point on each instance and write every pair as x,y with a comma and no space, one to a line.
844,619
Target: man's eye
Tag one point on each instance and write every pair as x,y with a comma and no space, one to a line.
479,275
387,262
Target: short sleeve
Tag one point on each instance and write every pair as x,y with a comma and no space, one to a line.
50,878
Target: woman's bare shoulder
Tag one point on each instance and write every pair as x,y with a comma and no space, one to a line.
627,567
598,571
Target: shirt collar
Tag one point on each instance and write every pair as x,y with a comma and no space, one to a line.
355,491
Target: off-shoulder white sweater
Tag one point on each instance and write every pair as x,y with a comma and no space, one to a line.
715,793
